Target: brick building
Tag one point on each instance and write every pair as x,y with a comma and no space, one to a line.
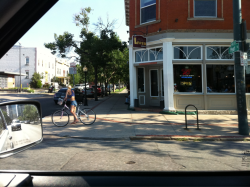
32,60
185,60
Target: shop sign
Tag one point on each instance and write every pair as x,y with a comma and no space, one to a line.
72,64
139,41
186,74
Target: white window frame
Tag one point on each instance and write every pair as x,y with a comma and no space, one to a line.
189,53
205,16
147,49
146,7
150,82
143,80
202,80
221,93
220,56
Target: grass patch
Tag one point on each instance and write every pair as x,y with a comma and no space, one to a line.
182,139
118,91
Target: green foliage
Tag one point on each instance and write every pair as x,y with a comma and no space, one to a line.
7,118
36,81
39,84
55,79
30,112
103,53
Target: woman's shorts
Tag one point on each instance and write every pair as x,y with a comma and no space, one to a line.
74,103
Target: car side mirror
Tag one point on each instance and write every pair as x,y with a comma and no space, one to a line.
20,126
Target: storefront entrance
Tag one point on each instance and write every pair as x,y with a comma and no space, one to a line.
156,86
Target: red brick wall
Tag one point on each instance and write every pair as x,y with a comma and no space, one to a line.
170,10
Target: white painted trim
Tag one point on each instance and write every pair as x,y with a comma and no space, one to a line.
205,16
188,55
143,98
150,82
143,80
220,54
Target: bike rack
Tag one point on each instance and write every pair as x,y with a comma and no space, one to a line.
186,115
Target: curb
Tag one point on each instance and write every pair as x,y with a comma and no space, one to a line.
192,138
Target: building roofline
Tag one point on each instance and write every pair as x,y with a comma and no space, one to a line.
126,5
11,73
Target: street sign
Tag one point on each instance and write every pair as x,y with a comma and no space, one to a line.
243,59
234,47
72,70
72,64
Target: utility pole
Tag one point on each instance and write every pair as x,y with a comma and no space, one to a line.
239,34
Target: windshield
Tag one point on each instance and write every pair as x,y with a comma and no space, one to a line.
166,97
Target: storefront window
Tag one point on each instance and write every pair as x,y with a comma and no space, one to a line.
187,78
141,56
155,54
218,52
141,80
154,82
220,79
187,52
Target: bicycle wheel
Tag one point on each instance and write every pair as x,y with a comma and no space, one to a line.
60,118
87,116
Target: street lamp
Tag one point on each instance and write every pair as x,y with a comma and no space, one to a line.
20,63
85,69
102,83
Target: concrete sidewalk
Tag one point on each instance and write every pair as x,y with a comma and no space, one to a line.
115,121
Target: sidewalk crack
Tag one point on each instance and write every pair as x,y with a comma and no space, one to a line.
67,161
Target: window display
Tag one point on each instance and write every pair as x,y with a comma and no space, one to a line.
187,78
220,79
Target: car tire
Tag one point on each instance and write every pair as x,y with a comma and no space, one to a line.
55,102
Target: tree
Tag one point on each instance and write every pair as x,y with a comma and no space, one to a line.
93,50
36,81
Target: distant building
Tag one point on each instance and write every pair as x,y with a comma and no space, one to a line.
32,60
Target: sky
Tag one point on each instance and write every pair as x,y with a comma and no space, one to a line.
60,19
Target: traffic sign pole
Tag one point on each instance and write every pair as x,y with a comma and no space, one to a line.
240,72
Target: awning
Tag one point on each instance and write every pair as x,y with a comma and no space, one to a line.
11,73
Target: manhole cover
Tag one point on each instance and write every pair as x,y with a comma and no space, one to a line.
130,162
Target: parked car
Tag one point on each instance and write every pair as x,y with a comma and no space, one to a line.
27,121
90,92
81,86
99,90
62,93
16,125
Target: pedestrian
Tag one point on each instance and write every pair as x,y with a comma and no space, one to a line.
127,101
73,104
13,85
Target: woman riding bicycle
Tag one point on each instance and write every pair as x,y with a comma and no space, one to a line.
73,104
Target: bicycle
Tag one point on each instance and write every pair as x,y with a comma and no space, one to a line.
60,118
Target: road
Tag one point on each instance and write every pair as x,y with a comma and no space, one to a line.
69,154
47,103
28,134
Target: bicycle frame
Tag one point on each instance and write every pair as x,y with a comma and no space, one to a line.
77,110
